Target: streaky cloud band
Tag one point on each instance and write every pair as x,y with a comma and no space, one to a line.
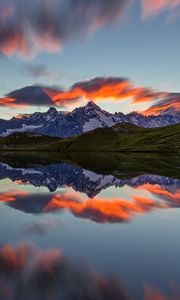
33,26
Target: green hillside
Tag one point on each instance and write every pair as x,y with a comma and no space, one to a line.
25,140
123,138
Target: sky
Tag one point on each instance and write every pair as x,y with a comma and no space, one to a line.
122,54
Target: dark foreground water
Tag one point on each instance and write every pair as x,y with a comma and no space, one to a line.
68,232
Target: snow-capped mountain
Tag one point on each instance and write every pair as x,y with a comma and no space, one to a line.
82,119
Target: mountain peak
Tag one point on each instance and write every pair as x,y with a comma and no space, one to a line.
91,104
52,110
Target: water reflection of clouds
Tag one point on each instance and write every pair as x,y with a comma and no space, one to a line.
172,193
142,199
103,210
27,272
41,228
16,185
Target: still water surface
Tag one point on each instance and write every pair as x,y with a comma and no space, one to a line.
70,233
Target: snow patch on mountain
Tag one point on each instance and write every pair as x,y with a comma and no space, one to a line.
92,124
25,128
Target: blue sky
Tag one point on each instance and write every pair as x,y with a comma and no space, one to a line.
144,51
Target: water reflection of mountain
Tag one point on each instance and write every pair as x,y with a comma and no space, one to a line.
59,175
149,192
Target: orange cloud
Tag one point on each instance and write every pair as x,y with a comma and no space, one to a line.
6,101
104,88
11,102
171,104
97,89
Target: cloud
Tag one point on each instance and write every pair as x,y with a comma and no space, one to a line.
41,71
27,96
97,89
31,26
30,273
155,7
104,88
169,106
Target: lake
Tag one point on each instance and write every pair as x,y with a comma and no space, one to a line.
104,227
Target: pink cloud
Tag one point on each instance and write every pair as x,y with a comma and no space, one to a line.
155,7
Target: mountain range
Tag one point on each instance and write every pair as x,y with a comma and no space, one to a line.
83,119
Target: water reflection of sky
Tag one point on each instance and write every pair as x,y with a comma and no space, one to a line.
140,246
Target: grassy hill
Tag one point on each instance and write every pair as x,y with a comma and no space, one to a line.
120,138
